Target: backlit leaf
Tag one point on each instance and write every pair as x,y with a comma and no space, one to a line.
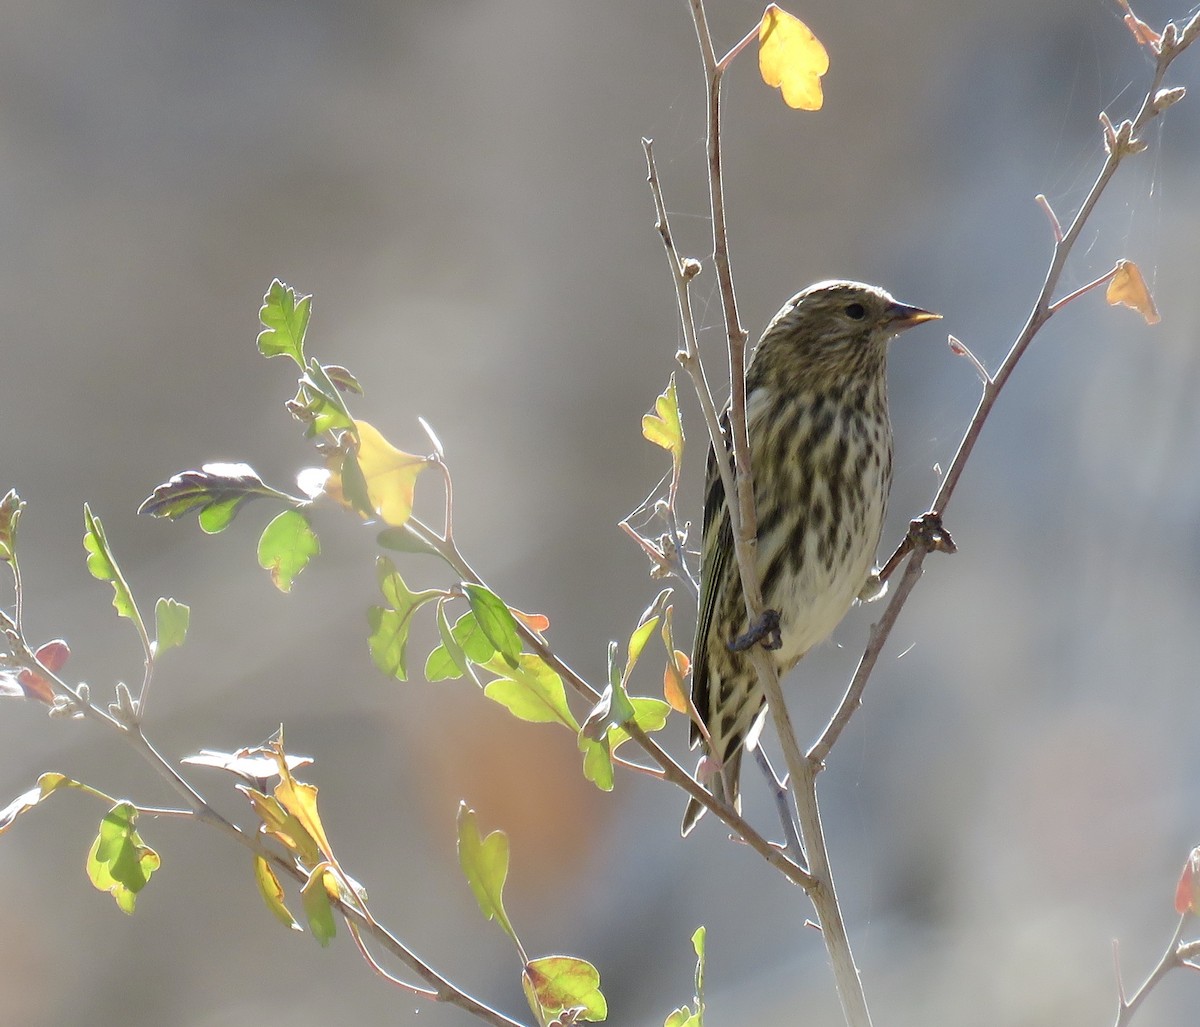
1187,892
530,691
215,492
664,427
284,318
390,625
791,58
103,565
47,785
484,863
119,862
10,513
32,684
170,624
496,620
316,895
674,690
300,800
564,982
272,892
286,546
1129,288
390,474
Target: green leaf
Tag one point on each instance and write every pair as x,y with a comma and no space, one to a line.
474,642
389,641
317,908
613,710
684,1017
498,624
272,893
10,513
319,402
455,651
285,321
698,944
530,691
597,762
216,517
170,625
286,546
484,863
565,982
649,714
440,667
597,748
215,492
103,566
119,862
390,624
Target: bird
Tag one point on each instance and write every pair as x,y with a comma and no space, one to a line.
821,459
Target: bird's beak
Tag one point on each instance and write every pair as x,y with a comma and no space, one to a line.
901,316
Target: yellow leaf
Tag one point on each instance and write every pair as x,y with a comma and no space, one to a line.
300,800
791,58
663,427
390,473
1128,287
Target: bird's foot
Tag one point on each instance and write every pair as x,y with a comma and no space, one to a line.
764,630
927,531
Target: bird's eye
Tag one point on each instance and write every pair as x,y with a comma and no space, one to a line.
856,311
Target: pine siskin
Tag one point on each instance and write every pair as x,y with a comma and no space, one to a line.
821,455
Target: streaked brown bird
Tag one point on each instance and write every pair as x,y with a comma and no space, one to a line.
821,455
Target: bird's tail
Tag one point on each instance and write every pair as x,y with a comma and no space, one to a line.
725,786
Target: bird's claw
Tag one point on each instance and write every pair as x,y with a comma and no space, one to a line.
928,533
764,630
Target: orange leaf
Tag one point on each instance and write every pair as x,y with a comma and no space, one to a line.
673,675
390,473
792,59
538,622
52,656
1128,287
1186,891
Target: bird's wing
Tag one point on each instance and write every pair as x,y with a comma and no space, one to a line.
717,546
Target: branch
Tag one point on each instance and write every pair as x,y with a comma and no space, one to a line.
1120,142
1178,953
740,504
671,770
131,731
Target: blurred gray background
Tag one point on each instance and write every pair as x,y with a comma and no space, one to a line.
462,188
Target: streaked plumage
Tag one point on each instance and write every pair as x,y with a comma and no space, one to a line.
821,455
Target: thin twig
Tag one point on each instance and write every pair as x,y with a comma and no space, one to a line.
1120,143
1176,955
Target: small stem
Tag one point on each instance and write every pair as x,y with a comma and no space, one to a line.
1106,277
738,47
1055,225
